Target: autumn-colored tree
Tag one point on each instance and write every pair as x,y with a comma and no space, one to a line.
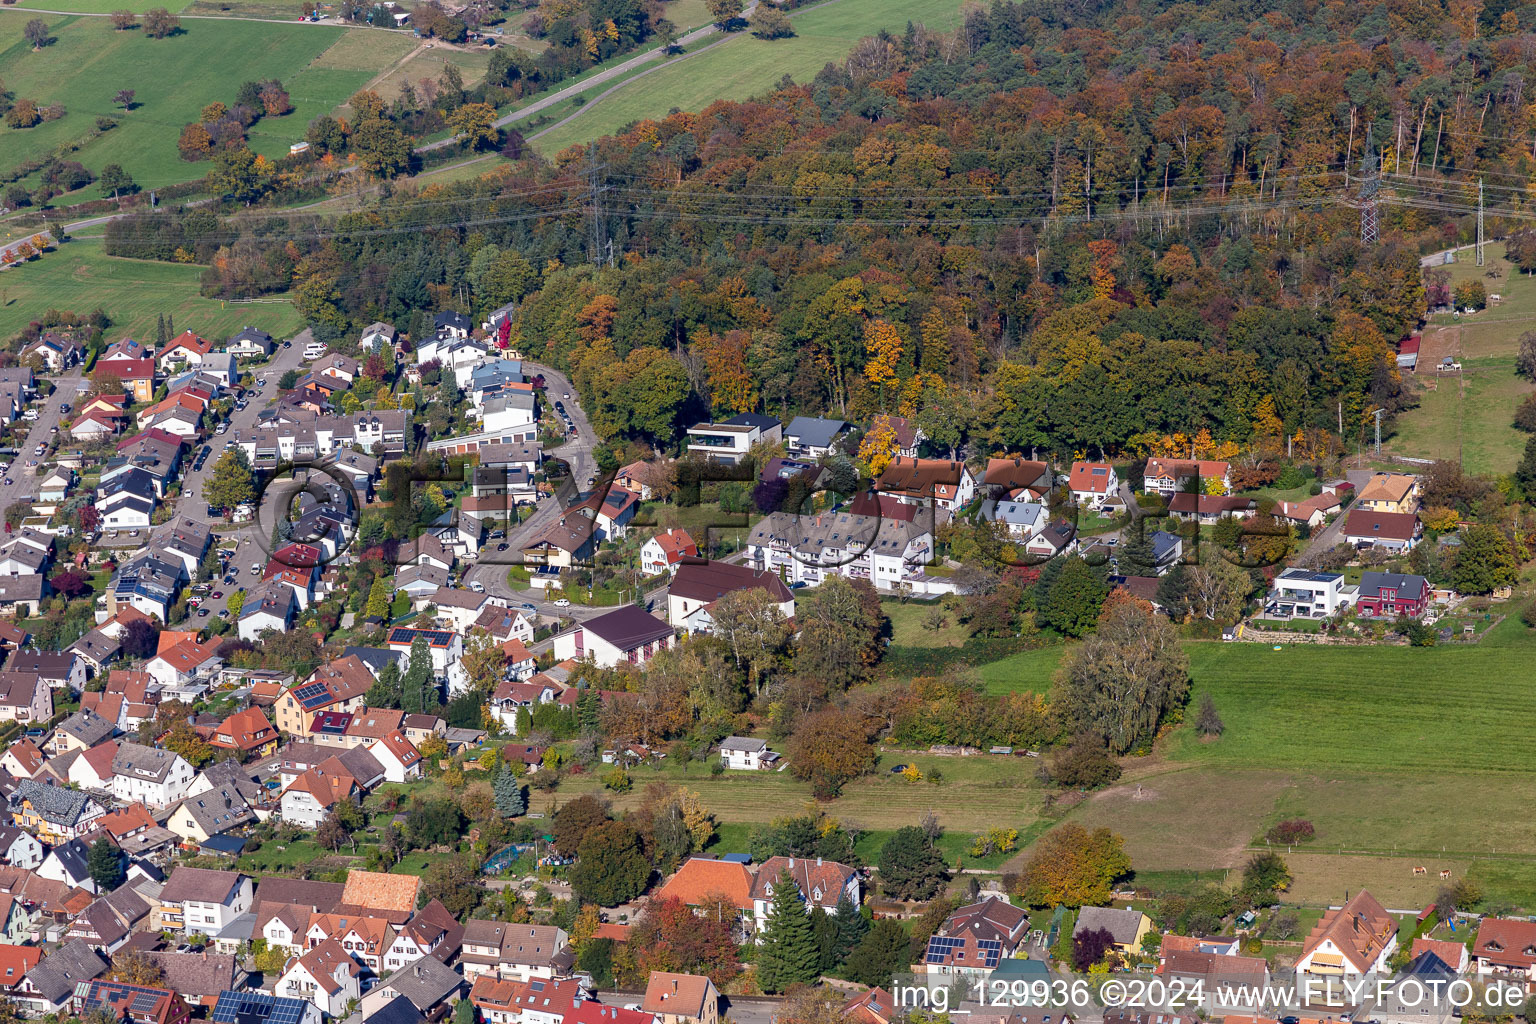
731,386
474,124
671,937
1073,867
883,344
878,446
134,967
195,142
829,748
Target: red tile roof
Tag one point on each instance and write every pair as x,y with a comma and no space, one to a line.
700,878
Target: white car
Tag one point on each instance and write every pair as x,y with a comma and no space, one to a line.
477,587
564,602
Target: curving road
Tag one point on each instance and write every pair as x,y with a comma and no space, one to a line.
637,61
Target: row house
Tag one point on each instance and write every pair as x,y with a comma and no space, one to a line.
519,952
149,775
52,813
204,900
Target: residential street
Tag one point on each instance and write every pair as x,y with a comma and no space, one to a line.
25,479
194,506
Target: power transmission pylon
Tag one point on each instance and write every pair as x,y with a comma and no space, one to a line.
598,248
1479,221
1370,183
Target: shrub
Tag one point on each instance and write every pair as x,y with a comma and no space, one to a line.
1289,833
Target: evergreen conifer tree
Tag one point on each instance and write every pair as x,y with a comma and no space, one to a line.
788,954
511,798
851,926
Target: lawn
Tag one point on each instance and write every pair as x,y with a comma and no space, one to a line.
909,625
1380,747
1467,415
744,66
79,277
976,793
88,62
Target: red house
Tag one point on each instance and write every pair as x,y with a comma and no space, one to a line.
1392,594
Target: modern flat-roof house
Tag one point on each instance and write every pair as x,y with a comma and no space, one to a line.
1301,594
628,635
730,440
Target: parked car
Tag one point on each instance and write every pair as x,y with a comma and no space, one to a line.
564,602
477,587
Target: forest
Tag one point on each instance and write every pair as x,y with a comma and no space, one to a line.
1068,228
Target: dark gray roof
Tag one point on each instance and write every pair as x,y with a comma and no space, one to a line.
426,982
628,627
54,804
813,431
374,657
139,761
56,976
74,858
230,775
22,588
88,727
1407,586
219,809
398,1010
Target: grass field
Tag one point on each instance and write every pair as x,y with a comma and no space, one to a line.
172,80
80,277
745,66
1399,756
1467,415
977,793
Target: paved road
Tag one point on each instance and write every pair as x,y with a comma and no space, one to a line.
193,505
577,454
21,480
639,60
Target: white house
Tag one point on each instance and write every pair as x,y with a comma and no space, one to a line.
1024,520
20,848
746,754
628,635
205,900
1093,483
665,552
325,976
822,883
148,775
1303,594
398,755
730,440
1349,942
